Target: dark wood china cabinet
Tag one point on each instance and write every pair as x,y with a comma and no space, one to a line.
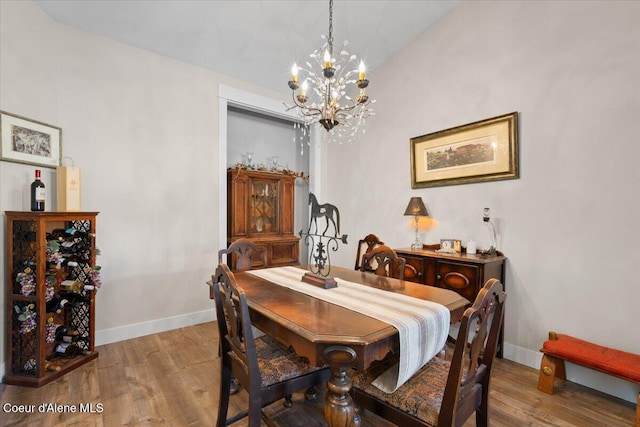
260,207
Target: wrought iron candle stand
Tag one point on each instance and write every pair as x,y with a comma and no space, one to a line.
322,244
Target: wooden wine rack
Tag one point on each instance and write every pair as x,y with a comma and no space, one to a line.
28,353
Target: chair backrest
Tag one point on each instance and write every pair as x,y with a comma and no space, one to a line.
234,323
243,249
383,261
365,246
476,346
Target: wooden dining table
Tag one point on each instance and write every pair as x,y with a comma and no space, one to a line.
328,334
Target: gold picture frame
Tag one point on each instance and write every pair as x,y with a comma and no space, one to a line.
482,151
23,140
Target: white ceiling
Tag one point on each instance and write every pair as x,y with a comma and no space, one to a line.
256,41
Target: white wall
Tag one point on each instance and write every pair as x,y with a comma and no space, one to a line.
143,129
570,224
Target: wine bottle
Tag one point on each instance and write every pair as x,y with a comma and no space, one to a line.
59,234
69,263
81,249
67,349
37,193
75,297
56,304
71,285
76,250
67,335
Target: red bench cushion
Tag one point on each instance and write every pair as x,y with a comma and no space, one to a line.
607,359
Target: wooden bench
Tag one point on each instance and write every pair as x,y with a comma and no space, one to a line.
559,348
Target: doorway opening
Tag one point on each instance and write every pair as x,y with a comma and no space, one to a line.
250,123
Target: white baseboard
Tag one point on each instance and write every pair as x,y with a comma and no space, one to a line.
587,377
107,336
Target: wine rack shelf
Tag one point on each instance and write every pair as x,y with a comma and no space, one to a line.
50,295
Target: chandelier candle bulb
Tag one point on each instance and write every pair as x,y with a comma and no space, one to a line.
327,59
294,73
361,69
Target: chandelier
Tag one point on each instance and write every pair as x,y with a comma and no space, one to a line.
323,96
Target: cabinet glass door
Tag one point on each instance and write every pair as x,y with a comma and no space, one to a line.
263,206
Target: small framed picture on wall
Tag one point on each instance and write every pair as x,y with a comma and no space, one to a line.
28,141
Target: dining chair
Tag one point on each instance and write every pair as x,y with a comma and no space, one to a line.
383,261
242,253
266,369
239,254
444,393
366,245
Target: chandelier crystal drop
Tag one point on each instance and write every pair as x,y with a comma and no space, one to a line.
320,91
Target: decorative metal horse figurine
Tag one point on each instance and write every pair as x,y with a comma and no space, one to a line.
321,245
326,210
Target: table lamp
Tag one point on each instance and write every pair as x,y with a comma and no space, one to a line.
416,208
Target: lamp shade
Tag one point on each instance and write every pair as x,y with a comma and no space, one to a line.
416,207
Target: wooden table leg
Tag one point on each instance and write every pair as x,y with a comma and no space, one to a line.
339,409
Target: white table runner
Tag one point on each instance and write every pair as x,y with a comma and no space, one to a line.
423,325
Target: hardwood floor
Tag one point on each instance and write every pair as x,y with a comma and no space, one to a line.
172,378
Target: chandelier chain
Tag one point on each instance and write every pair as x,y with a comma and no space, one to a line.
330,40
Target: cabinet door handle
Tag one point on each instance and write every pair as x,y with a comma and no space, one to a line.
439,277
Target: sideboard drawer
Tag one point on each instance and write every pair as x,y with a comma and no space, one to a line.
420,270
461,278
413,270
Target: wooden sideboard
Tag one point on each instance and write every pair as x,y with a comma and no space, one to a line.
462,273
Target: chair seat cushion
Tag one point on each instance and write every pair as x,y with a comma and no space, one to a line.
421,396
277,363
